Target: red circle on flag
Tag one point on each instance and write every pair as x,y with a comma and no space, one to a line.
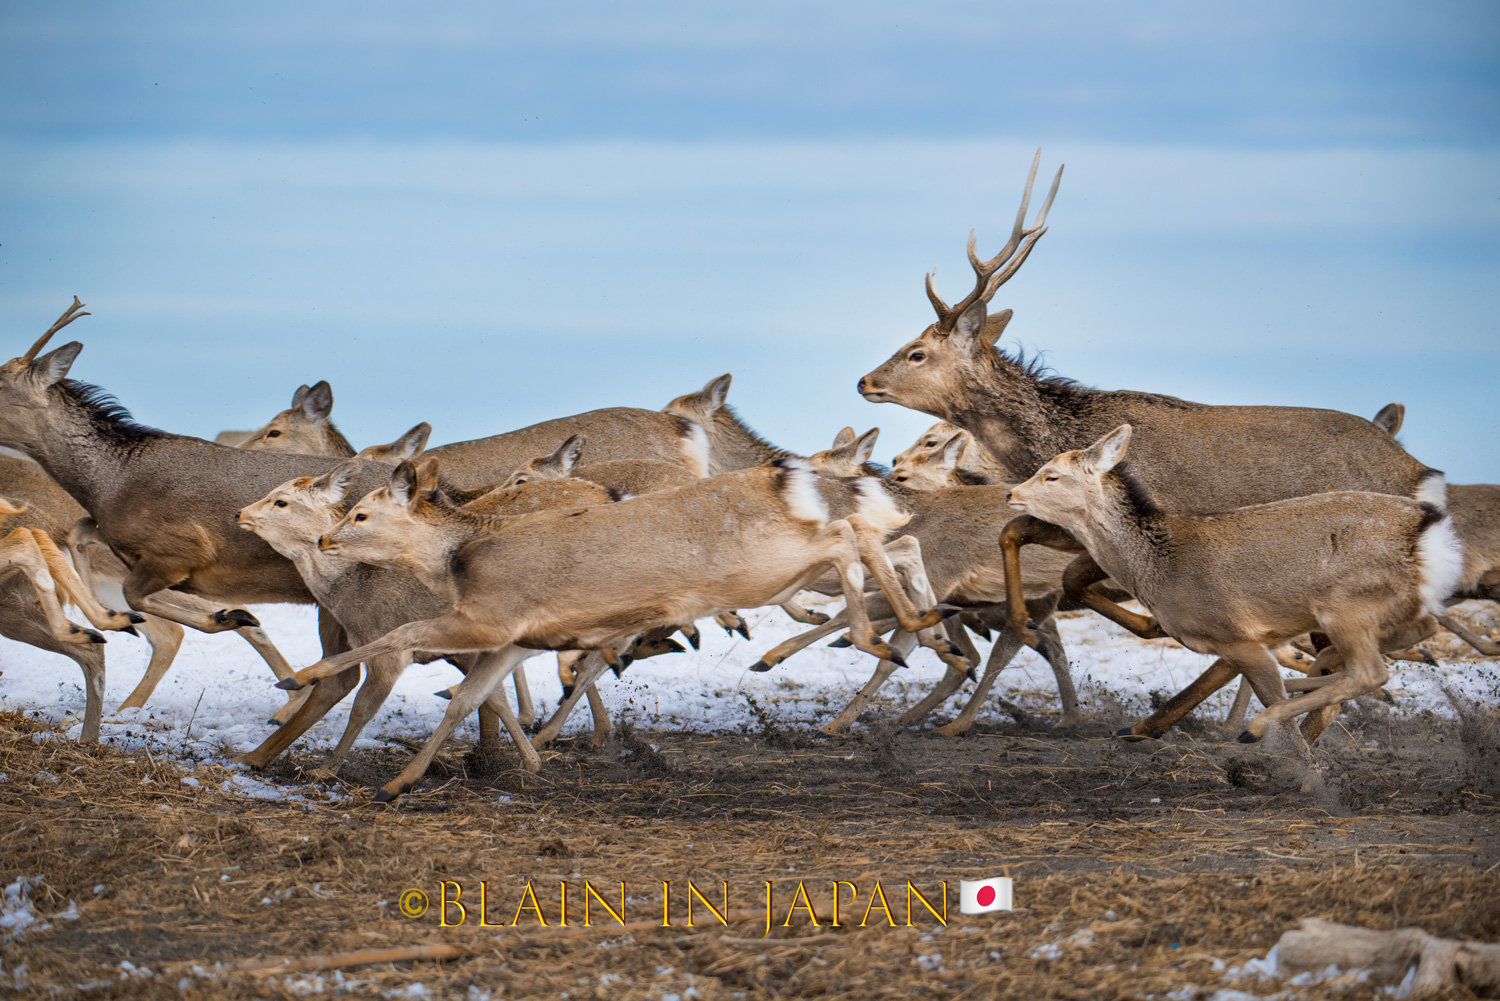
986,896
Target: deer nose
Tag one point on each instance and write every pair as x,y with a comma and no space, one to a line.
322,542
1007,496
860,386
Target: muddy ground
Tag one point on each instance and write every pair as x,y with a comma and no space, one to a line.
1138,870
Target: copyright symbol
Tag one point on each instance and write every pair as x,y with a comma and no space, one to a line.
412,903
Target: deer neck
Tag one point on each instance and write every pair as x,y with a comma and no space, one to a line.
1020,419
85,446
1126,534
733,445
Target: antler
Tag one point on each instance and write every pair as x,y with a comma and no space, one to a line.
69,315
991,274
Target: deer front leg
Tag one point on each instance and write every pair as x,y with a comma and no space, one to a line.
78,592
591,668
165,639
151,575
320,700
18,552
1486,646
1219,674
1023,531
903,643
872,553
1082,573
453,632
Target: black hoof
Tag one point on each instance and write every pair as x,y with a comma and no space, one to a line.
1248,738
972,675
237,617
819,619
136,618
760,667
694,639
948,613
567,691
94,637
897,659
841,642
272,721
289,685
675,647
1387,697
129,629
743,630
384,797
982,632
1126,733
444,694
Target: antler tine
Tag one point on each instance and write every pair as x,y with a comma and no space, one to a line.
69,315
936,300
983,269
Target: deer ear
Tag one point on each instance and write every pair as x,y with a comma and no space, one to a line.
300,395
844,437
53,366
1106,453
716,391
317,403
332,485
427,473
995,325
410,445
865,446
566,456
953,448
1390,417
404,483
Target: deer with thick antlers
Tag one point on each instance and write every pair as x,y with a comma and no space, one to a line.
1191,457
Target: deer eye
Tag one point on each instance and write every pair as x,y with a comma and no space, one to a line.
280,503
359,517
1049,479
901,479
519,482
916,356
273,434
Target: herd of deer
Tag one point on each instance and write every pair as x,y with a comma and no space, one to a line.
601,535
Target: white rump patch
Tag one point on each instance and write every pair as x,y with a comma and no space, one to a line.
1433,490
695,450
803,498
877,507
1440,563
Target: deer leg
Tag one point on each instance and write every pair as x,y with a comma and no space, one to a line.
525,710
380,677
1234,722
840,538
78,592
905,557
903,643
453,632
1057,658
165,639
321,699
476,687
1007,645
19,552
872,553
1219,674
151,575
1082,573
593,666
732,622
498,705
1023,531
1364,671
1483,644
802,615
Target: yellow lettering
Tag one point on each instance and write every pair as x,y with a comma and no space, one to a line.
721,915
589,891
444,901
912,891
806,905
879,895
529,894
853,896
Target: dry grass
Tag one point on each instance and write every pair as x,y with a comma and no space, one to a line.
1211,874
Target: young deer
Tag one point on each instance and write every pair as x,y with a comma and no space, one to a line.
975,465
368,602
1190,456
304,428
1367,570
584,579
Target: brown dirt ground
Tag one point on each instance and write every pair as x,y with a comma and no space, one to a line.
1178,856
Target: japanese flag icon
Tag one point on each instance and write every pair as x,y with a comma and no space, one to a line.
983,896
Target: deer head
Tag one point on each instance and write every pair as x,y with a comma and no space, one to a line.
24,382
1070,488
931,372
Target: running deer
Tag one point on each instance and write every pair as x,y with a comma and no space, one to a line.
1367,570
368,602
305,428
584,579
1191,457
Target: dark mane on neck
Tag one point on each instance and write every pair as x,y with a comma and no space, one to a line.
105,413
1047,381
1135,492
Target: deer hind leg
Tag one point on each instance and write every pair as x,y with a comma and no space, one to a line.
320,700
841,551
905,557
380,677
1483,644
165,639
486,675
150,576
1220,673
19,552
78,592
1057,658
525,709
807,638
872,553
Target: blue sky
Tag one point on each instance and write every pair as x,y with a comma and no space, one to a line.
484,215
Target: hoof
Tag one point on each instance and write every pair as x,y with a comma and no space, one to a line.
743,630
130,630
567,691
760,667
983,632
1126,733
674,647
841,643
1248,738
694,639
947,612
972,675
817,619
272,721
289,685
896,658
236,617
384,797
1387,697
446,693
134,618
93,636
